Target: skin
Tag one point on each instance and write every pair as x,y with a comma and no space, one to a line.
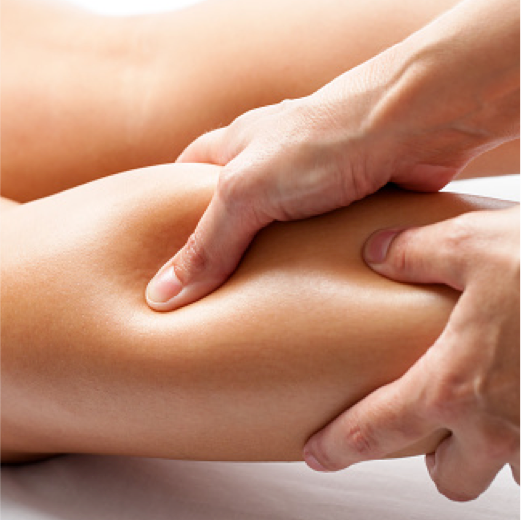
248,373
468,381
415,115
123,93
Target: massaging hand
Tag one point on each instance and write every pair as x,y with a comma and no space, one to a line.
413,115
308,156
468,382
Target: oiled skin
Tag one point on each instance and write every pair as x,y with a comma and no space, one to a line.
302,330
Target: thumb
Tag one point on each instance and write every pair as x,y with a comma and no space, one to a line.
210,255
429,254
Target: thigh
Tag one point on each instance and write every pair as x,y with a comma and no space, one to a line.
110,94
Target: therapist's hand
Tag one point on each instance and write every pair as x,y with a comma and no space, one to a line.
308,156
468,381
414,115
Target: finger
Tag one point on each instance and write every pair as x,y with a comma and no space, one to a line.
459,470
436,253
208,148
383,423
222,145
208,258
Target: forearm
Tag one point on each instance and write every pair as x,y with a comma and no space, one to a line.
471,54
301,331
445,94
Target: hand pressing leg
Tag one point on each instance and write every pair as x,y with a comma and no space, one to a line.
301,331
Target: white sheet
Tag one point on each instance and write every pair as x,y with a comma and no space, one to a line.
103,488
502,187
81,487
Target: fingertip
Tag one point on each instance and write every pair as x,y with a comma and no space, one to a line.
204,149
193,153
458,475
314,458
166,293
377,245
163,289
170,304
313,463
457,496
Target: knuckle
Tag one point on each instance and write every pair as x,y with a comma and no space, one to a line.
401,256
356,178
251,118
445,410
497,394
459,236
232,190
245,118
237,126
449,398
193,261
210,147
488,384
243,196
358,439
287,104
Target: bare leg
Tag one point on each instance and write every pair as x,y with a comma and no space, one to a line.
84,96
302,330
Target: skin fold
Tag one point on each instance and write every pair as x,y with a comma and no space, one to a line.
301,331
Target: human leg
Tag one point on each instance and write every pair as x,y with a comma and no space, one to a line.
85,96
302,330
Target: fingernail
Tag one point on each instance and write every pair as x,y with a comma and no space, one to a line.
164,286
313,462
376,247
